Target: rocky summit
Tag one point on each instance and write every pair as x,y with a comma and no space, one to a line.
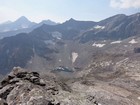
30,88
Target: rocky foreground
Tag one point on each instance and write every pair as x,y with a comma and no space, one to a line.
89,87
21,87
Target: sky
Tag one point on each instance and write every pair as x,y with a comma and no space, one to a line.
62,10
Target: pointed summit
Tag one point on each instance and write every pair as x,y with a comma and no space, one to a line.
71,20
22,22
22,19
48,22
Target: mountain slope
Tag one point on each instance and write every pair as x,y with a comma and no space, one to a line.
115,28
50,46
13,54
39,44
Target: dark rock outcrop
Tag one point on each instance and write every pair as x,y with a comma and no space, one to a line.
137,50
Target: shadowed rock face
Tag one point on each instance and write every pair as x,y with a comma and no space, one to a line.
28,88
18,50
137,50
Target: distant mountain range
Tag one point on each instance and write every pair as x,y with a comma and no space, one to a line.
21,25
71,44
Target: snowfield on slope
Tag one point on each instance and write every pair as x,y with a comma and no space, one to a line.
99,27
98,45
74,56
115,42
133,41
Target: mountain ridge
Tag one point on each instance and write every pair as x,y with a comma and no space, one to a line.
21,25
70,37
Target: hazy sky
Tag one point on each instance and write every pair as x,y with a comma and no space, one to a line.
61,10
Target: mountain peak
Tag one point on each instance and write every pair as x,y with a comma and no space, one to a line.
71,20
22,19
49,22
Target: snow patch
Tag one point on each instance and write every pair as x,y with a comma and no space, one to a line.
133,41
49,42
60,68
99,27
57,35
138,98
115,42
59,60
24,26
74,56
98,45
58,38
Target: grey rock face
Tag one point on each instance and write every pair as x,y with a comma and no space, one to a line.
28,88
3,102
